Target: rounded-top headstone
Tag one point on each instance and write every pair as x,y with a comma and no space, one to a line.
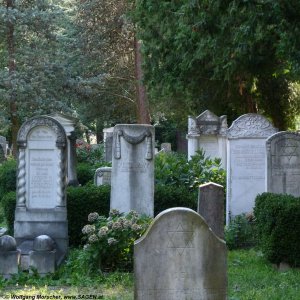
7,243
43,243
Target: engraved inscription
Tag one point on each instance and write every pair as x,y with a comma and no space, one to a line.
41,134
41,178
133,166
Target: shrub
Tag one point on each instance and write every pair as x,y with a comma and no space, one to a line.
278,227
9,206
240,233
174,169
85,173
86,153
167,196
80,202
110,240
8,173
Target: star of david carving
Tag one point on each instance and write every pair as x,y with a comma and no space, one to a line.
180,239
289,150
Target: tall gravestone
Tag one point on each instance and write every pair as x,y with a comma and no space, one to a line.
108,143
208,132
41,181
211,206
246,162
132,181
283,163
179,257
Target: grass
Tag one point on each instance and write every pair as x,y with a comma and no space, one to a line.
250,277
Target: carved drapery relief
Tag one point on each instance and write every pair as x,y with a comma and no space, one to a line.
134,140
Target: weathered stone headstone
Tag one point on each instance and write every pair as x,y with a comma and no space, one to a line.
41,181
9,256
68,124
283,163
102,176
246,162
166,147
132,181
211,206
108,143
208,132
179,257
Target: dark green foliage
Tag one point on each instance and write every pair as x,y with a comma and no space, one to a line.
85,173
240,233
167,196
278,227
8,171
80,202
175,169
9,205
165,132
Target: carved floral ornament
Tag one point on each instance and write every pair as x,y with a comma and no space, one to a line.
251,125
41,121
134,140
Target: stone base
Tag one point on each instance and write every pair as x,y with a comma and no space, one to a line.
31,223
42,261
9,263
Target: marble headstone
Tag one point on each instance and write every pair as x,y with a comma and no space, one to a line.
208,132
108,143
283,163
246,162
41,181
211,206
166,147
179,257
132,180
102,176
68,124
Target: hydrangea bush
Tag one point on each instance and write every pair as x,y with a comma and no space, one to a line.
109,241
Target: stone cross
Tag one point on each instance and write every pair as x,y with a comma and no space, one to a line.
179,257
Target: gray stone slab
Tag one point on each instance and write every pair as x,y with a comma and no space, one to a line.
180,258
41,183
166,147
283,163
42,261
246,162
132,181
102,176
211,206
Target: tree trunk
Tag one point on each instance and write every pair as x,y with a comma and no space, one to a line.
143,114
13,109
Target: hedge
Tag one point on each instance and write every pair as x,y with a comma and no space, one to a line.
278,227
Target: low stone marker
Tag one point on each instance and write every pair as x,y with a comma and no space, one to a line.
9,256
132,181
42,257
179,257
283,163
211,206
166,147
102,176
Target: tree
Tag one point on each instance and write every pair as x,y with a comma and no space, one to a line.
232,56
33,77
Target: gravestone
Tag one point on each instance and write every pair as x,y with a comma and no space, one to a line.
211,206
68,124
102,176
132,181
246,162
283,163
208,132
41,181
108,143
179,257
166,147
